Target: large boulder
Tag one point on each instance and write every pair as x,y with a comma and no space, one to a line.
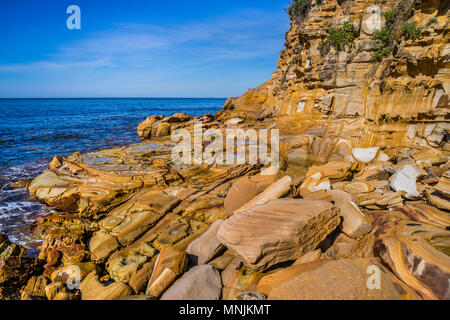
199,283
144,130
279,231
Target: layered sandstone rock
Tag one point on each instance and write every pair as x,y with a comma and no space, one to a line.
340,100
171,263
418,254
237,279
335,280
278,231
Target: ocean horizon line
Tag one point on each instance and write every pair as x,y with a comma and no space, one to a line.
80,98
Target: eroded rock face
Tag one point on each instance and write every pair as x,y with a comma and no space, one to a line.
328,103
418,254
278,231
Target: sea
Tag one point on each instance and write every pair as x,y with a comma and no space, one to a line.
33,131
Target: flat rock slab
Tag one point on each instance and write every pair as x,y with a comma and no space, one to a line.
199,283
281,230
338,280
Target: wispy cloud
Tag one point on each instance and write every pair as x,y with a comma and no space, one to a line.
40,65
245,35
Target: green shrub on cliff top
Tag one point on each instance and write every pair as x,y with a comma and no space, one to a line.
299,6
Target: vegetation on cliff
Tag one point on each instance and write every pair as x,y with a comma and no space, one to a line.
410,30
383,38
299,7
338,38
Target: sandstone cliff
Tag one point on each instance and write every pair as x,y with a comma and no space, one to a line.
338,99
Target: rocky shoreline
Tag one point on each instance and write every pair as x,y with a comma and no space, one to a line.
358,210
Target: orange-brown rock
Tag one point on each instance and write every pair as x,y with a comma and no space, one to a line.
95,183
170,263
421,212
80,270
35,287
59,291
144,130
355,223
139,280
272,192
344,247
268,282
16,271
418,254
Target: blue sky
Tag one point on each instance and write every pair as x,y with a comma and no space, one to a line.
139,48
